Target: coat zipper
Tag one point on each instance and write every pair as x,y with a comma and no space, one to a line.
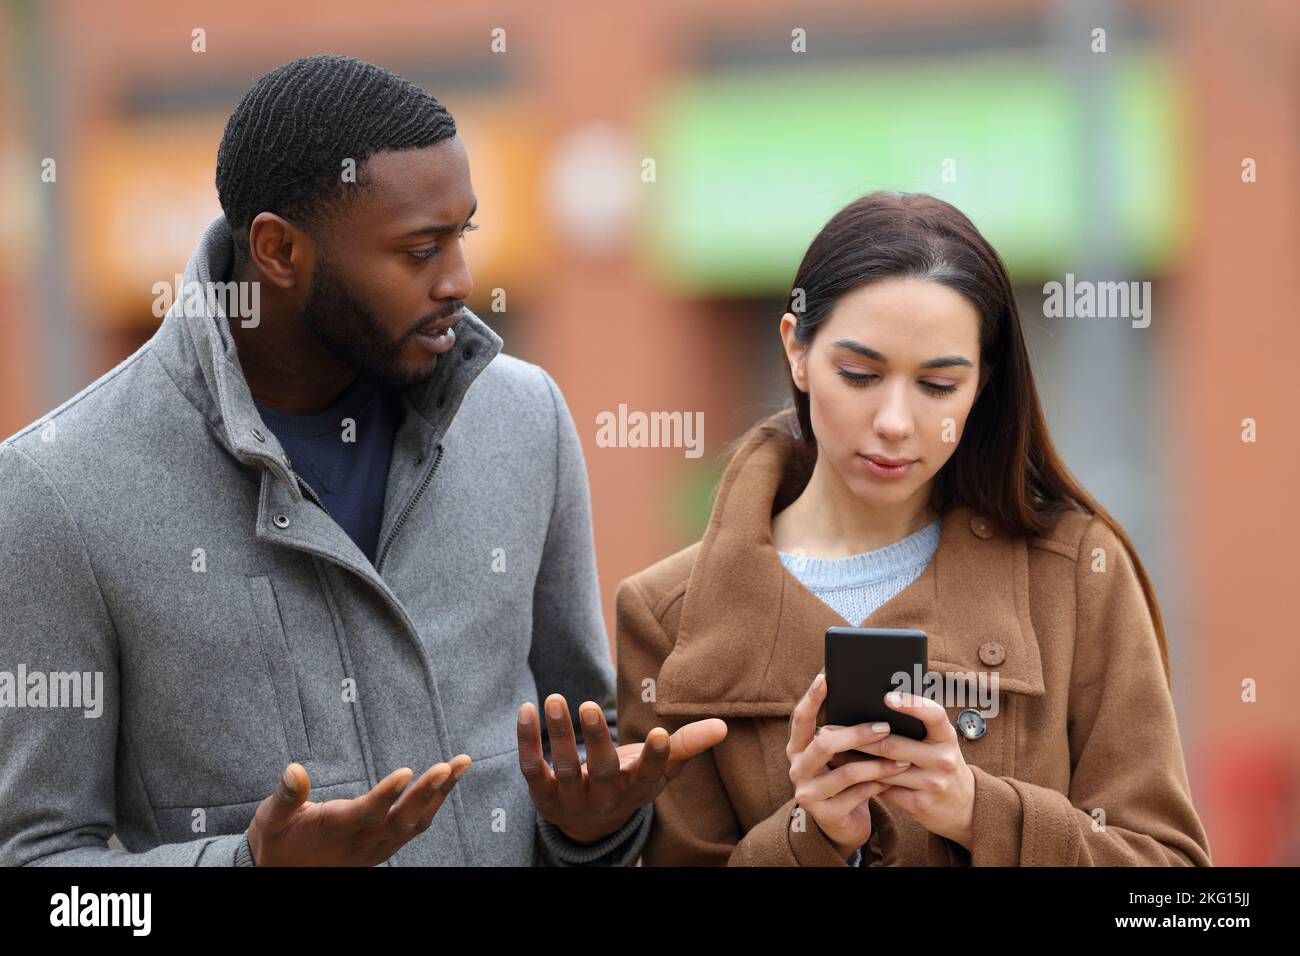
407,510
311,494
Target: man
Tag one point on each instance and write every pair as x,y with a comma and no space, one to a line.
334,542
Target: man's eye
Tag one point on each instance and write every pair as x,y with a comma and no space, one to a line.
430,253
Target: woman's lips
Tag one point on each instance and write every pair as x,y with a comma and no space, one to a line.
883,467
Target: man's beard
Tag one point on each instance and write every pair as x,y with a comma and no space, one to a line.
352,334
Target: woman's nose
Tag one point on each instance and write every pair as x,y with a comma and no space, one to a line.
893,417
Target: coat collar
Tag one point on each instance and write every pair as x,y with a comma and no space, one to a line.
195,345
751,637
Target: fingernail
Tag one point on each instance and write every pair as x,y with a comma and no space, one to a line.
881,727
553,709
589,718
894,698
525,715
456,775
902,763
818,681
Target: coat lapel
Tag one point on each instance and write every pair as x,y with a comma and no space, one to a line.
751,636
217,385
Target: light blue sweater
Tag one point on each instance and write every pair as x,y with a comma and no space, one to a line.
855,586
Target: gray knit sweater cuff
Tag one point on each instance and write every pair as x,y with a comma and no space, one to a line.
621,848
244,853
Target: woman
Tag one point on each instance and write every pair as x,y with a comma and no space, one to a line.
913,485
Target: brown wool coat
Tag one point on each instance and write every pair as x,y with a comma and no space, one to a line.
1086,719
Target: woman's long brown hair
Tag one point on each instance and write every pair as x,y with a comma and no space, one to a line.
1005,465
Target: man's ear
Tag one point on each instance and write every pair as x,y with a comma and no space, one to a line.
278,250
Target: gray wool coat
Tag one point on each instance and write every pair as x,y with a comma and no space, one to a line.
154,539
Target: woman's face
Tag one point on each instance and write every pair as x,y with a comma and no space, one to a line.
892,373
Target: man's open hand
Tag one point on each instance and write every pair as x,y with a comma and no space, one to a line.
592,800
289,830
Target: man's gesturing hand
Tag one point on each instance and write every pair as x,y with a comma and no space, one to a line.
362,831
592,800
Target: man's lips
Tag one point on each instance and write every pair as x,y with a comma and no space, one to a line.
442,325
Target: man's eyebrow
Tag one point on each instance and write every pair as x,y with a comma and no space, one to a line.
440,230
943,361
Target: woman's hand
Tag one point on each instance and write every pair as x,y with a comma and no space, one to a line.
836,798
938,789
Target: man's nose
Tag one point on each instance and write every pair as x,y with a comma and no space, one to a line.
455,282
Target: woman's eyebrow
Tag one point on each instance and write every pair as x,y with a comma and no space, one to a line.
943,361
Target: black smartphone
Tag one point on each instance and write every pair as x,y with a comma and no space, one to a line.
861,664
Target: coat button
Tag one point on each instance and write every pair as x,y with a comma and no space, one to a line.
971,723
257,433
980,526
992,653
281,521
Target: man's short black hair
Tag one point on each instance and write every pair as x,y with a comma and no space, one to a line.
284,147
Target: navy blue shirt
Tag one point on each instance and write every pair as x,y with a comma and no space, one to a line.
347,470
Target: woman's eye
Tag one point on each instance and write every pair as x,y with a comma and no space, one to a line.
855,378
860,380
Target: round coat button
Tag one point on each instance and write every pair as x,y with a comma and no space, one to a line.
992,653
981,527
281,521
971,724
257,433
